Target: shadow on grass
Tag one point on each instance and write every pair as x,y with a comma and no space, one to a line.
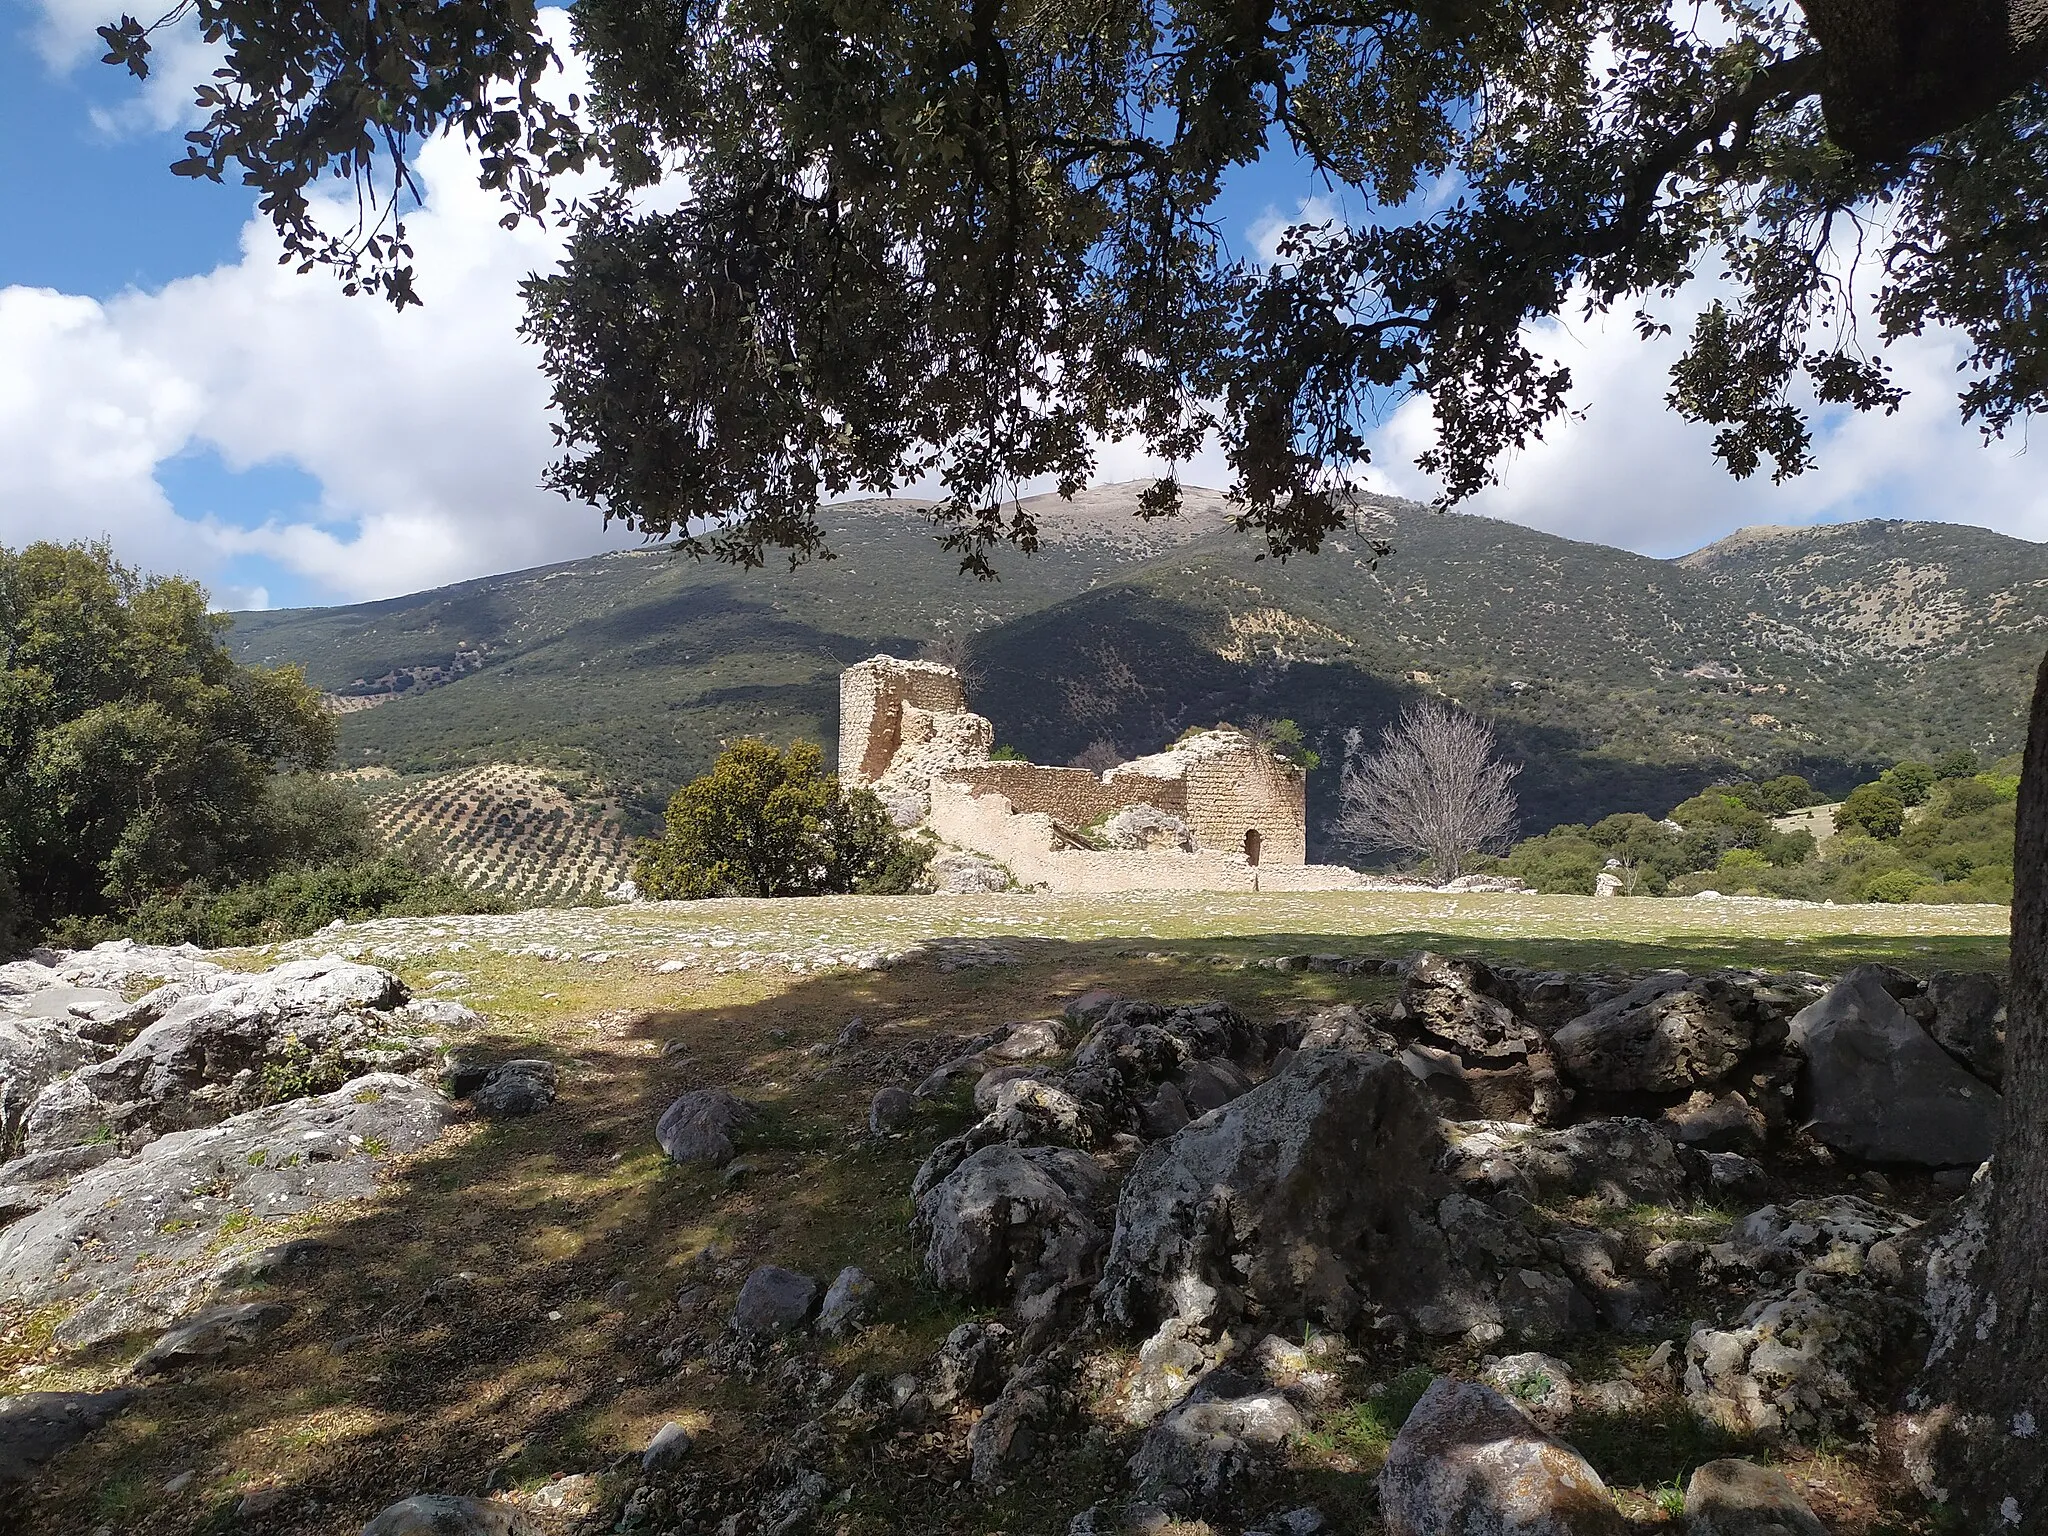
565,1348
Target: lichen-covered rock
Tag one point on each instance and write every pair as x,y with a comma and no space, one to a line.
1830,1235
1199,1450
1623,1161
1456,1004
890,1110
1800,1362
1881,1089
1135,1047
133,1239
699,1127
218,1052
1469,1463
35,1050
1014,1224
846,1302
1665,1035
1306,1198
955,872
1540,1385
1026,1112
1734,1497
1169,1363
1717,1122
970,1365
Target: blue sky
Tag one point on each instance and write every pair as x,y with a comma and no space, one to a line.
165,385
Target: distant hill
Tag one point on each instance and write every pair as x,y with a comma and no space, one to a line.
1623,682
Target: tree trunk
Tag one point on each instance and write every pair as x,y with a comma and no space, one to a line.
1897,73
1992,1452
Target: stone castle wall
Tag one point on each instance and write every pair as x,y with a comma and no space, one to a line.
1024,842
1228,797
871,696
1074,797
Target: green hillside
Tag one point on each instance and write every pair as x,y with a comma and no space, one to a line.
1623,682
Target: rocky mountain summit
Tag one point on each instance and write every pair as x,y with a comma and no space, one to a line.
1189,1240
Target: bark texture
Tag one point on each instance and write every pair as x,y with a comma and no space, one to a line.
1896,73
1992,1453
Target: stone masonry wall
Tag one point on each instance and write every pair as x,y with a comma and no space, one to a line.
1074,797
871,696
1227,797
1025,844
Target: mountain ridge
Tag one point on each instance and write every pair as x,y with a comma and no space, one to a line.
1623,681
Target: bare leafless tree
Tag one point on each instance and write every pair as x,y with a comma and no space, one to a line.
954,648
1098,757
1435,788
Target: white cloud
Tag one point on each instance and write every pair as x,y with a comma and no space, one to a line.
427,430
1633,474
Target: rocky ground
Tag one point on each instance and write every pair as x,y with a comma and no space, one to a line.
578,1223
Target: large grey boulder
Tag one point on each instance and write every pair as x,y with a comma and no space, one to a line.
35,1050
699,1127
1456,1004
774,1301
1014,1224
1470,1463
36,1427
1666,1035
214,1053
1881,1089
214,1333
133,1239
1969,1020
1304,1198
1622,1162
1204,1446
448,1514
1733,1497
1137,1048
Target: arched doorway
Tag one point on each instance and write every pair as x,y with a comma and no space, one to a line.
1252,840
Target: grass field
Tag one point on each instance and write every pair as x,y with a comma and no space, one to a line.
599,1272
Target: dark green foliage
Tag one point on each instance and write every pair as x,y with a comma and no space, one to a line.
1876,810
971,245
1960,764
1911,782
770,823
1005,753
1957,847
288,905
136,756
1284,739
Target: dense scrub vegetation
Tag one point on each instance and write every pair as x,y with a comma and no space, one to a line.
150,784
764,822
1919,832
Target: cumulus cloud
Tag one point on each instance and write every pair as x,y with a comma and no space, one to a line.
427,431
1626,471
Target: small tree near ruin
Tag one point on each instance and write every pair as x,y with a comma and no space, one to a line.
1435,788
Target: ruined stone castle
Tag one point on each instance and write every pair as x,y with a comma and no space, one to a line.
1217,810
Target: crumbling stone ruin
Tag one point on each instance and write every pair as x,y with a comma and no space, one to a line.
1216,810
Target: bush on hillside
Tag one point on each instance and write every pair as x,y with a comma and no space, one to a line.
1956,846
769,823
1875,810
288,905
